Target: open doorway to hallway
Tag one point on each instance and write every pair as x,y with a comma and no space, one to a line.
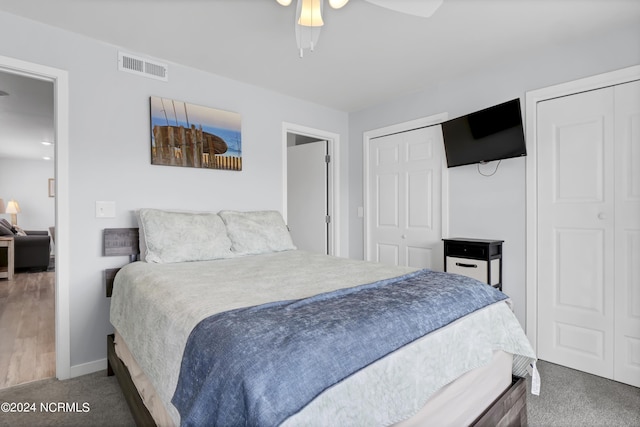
27,172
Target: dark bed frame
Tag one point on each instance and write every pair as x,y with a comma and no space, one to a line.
508,409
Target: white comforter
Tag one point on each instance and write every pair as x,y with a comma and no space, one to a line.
154,307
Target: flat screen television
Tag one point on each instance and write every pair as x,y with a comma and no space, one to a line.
494,133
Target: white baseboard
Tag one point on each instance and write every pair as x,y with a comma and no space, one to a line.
88,368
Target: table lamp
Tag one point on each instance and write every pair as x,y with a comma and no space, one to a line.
13,208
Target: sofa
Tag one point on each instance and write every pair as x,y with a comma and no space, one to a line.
31,248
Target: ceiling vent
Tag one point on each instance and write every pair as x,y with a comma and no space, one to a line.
142,66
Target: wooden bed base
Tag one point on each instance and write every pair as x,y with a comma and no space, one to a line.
116,367
509,409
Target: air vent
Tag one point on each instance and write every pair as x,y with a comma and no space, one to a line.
142,67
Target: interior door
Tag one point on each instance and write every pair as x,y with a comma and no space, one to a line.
307,196
405,198
627,237
589,232
575,239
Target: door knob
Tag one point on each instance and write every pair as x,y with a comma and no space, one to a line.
602,215
404,236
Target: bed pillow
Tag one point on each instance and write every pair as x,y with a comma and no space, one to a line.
257,232
182,236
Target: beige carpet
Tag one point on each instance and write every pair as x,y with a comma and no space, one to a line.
572,398
89,400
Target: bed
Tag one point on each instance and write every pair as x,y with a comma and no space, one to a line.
302,339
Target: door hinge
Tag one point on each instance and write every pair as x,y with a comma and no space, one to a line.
327,219
327,158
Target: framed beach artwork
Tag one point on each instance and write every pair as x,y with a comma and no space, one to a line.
194,136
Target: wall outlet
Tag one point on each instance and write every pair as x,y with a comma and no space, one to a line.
105,209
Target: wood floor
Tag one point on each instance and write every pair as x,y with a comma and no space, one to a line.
27,328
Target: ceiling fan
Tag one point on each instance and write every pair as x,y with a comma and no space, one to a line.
309,15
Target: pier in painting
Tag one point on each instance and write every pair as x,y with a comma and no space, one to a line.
191,147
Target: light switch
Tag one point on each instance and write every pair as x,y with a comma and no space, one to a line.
105,209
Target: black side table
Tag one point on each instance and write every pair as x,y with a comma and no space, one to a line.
477,258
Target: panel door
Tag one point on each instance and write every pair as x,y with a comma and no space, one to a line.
627,234
405,200
307,196
575,233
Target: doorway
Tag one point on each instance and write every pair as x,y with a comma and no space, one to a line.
27,309
307,202
59,79
311,164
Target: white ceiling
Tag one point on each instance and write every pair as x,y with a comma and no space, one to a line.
26,117
365,55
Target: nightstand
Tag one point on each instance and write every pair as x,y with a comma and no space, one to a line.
7,271
476,258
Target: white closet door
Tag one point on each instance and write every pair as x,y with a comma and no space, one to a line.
589,232
405,200
627,238
575,233
307,196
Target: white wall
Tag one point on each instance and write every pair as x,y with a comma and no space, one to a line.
490,207
109,155
27,181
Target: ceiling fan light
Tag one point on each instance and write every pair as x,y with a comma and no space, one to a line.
284,2
337,4
311,13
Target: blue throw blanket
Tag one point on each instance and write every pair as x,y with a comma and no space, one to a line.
257,366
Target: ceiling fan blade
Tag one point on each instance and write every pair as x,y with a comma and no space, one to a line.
422,8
